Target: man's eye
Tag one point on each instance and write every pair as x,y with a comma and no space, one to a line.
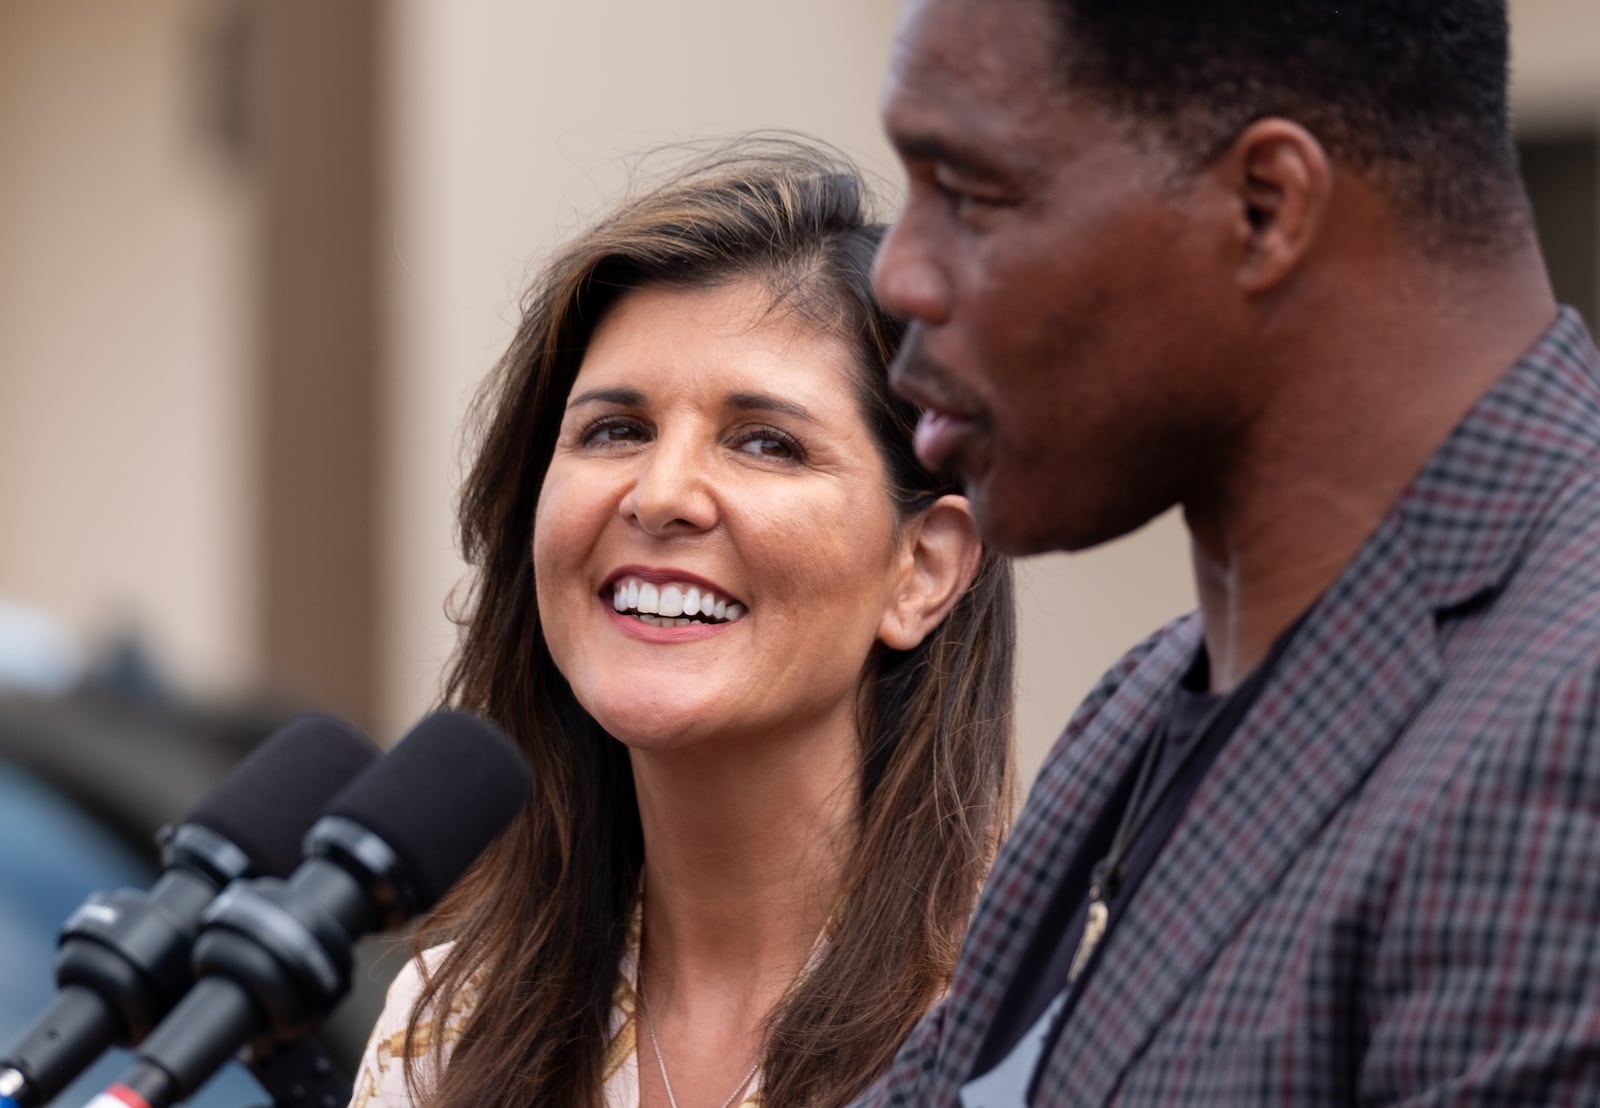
961,197
953,196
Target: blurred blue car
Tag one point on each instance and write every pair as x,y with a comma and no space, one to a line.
52,855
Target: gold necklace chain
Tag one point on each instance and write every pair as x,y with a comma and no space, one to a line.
661,1062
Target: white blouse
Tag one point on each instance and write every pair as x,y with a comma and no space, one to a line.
380,1082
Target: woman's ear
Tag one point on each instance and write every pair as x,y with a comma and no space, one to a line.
939,553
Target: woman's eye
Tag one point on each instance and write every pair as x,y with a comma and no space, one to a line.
613,431
769,443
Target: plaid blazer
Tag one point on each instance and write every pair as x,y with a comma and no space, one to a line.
1387,888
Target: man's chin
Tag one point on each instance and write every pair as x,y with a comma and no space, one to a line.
1006,525
1015,521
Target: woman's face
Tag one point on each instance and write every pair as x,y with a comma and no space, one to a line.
714,544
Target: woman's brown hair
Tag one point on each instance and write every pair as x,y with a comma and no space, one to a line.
539,925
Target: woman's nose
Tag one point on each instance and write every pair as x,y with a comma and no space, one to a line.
671,491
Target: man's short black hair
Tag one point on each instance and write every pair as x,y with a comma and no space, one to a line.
1413,92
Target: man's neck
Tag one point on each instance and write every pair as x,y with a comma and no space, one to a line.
1375,387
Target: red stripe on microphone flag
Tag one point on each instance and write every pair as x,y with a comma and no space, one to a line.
118,1096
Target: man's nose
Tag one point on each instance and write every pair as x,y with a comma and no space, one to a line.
905,276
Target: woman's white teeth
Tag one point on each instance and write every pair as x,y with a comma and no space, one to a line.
671,601
672,605
664,621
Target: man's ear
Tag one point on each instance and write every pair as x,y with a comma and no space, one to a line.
939,552
1282,182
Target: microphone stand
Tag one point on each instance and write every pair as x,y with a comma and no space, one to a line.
301,1075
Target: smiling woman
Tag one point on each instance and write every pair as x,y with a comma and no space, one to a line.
755,654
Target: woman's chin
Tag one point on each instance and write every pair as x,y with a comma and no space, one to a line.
658,731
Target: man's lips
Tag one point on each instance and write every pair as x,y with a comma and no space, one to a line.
939,436
945,419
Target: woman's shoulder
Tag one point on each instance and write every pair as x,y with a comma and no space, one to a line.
414,975
381,1078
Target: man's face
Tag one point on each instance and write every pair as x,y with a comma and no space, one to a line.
1068,292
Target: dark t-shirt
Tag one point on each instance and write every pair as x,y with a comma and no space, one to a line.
1021,1032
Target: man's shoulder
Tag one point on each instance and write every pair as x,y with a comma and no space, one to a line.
1546,607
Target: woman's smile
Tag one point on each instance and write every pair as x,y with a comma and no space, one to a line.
669,608
664,599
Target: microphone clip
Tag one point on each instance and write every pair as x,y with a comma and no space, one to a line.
301,1075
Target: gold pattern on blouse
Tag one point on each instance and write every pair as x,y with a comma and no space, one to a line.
380,1082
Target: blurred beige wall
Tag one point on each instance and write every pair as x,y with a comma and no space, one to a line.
128,291
124,283
1555,62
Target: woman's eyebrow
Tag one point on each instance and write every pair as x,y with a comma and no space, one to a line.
766,402
623,398
740,401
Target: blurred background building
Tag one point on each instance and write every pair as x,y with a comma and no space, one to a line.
255,255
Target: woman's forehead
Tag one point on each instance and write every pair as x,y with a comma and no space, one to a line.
731,342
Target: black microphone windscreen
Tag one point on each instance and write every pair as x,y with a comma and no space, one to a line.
439,797
266,805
